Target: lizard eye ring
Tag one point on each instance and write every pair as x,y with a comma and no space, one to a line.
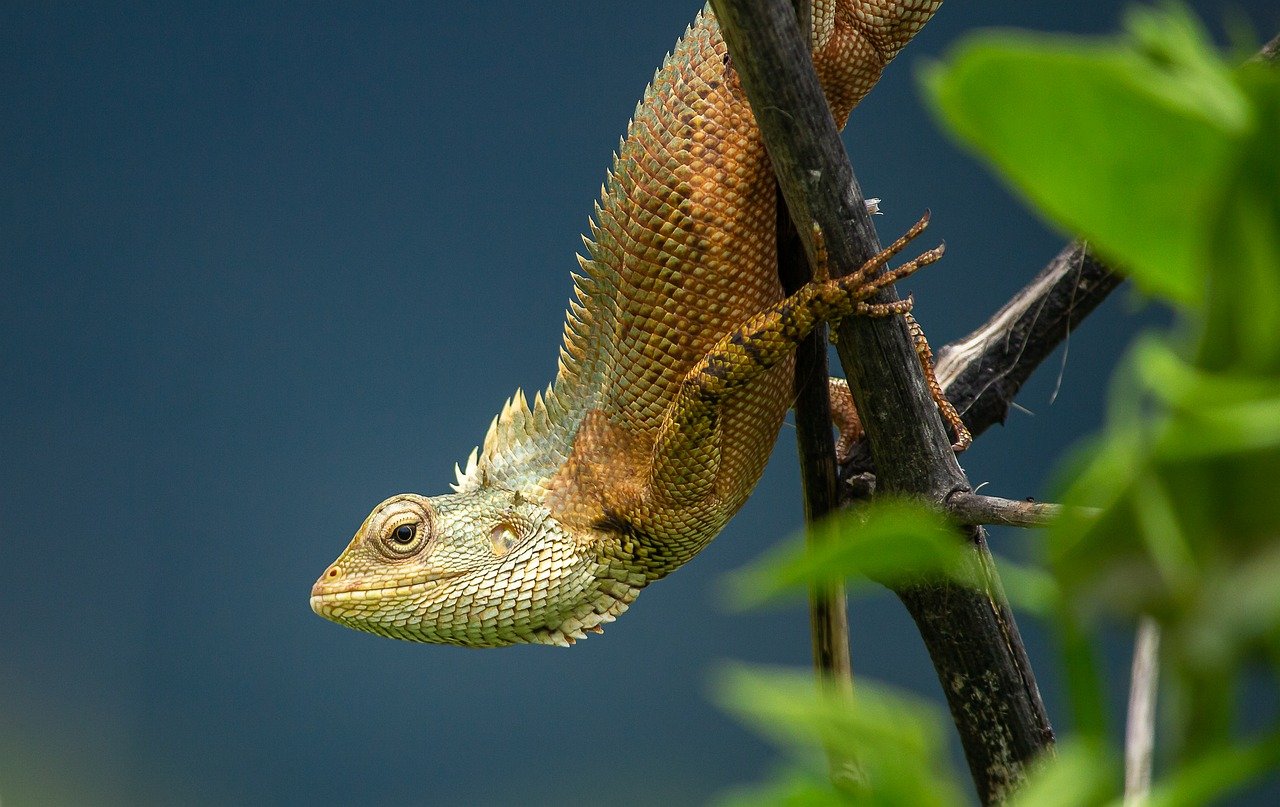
400,528
403,536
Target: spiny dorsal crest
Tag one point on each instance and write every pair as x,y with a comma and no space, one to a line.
527,444
523,447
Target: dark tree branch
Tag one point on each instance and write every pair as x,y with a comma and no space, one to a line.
828,614
982,372
993,697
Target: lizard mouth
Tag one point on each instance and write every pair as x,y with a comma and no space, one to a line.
326,597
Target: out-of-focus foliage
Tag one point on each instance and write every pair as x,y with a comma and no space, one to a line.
889,542
1166,158
1071,122
897,740
1081,774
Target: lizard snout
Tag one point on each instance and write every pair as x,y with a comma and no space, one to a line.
330,582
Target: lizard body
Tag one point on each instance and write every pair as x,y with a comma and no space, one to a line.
674,376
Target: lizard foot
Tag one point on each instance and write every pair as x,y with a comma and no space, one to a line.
859,286
945,408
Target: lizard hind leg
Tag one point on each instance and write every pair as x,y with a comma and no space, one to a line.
822,269
688,437
845,416
859,286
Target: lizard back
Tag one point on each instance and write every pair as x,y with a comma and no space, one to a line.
681,251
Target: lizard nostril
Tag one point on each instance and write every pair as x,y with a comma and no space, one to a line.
333,572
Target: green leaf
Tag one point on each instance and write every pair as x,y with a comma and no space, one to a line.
1081,774
1083,678
1179,384
1215,775
791,789
887,541
1240,608
1029,588
1166,160
896,740
1083,549
1244,310
1127,145
1219,430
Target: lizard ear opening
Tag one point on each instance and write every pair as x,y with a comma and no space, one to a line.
502,538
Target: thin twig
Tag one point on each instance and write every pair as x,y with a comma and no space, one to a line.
1140,730
828,613
1270,52
966,507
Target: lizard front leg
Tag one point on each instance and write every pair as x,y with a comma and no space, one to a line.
687,451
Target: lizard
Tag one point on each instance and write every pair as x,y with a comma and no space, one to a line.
673,380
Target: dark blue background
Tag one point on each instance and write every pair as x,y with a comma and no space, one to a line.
263,267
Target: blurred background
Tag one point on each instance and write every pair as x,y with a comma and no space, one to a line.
262,266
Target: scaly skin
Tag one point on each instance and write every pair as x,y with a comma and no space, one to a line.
674,376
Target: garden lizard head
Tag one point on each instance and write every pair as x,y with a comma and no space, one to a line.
482,568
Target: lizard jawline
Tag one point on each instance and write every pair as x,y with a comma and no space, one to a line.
323,600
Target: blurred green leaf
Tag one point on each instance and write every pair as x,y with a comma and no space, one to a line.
1126,143
1082,548
886,541
790,789
1029,588
896,739
1188,71
1210,778
1085,684
1240,608
1081,774
1240,334
1217,430
1162,534
1165,158
1177,383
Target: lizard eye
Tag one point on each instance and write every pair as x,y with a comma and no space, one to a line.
400,527
402,539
